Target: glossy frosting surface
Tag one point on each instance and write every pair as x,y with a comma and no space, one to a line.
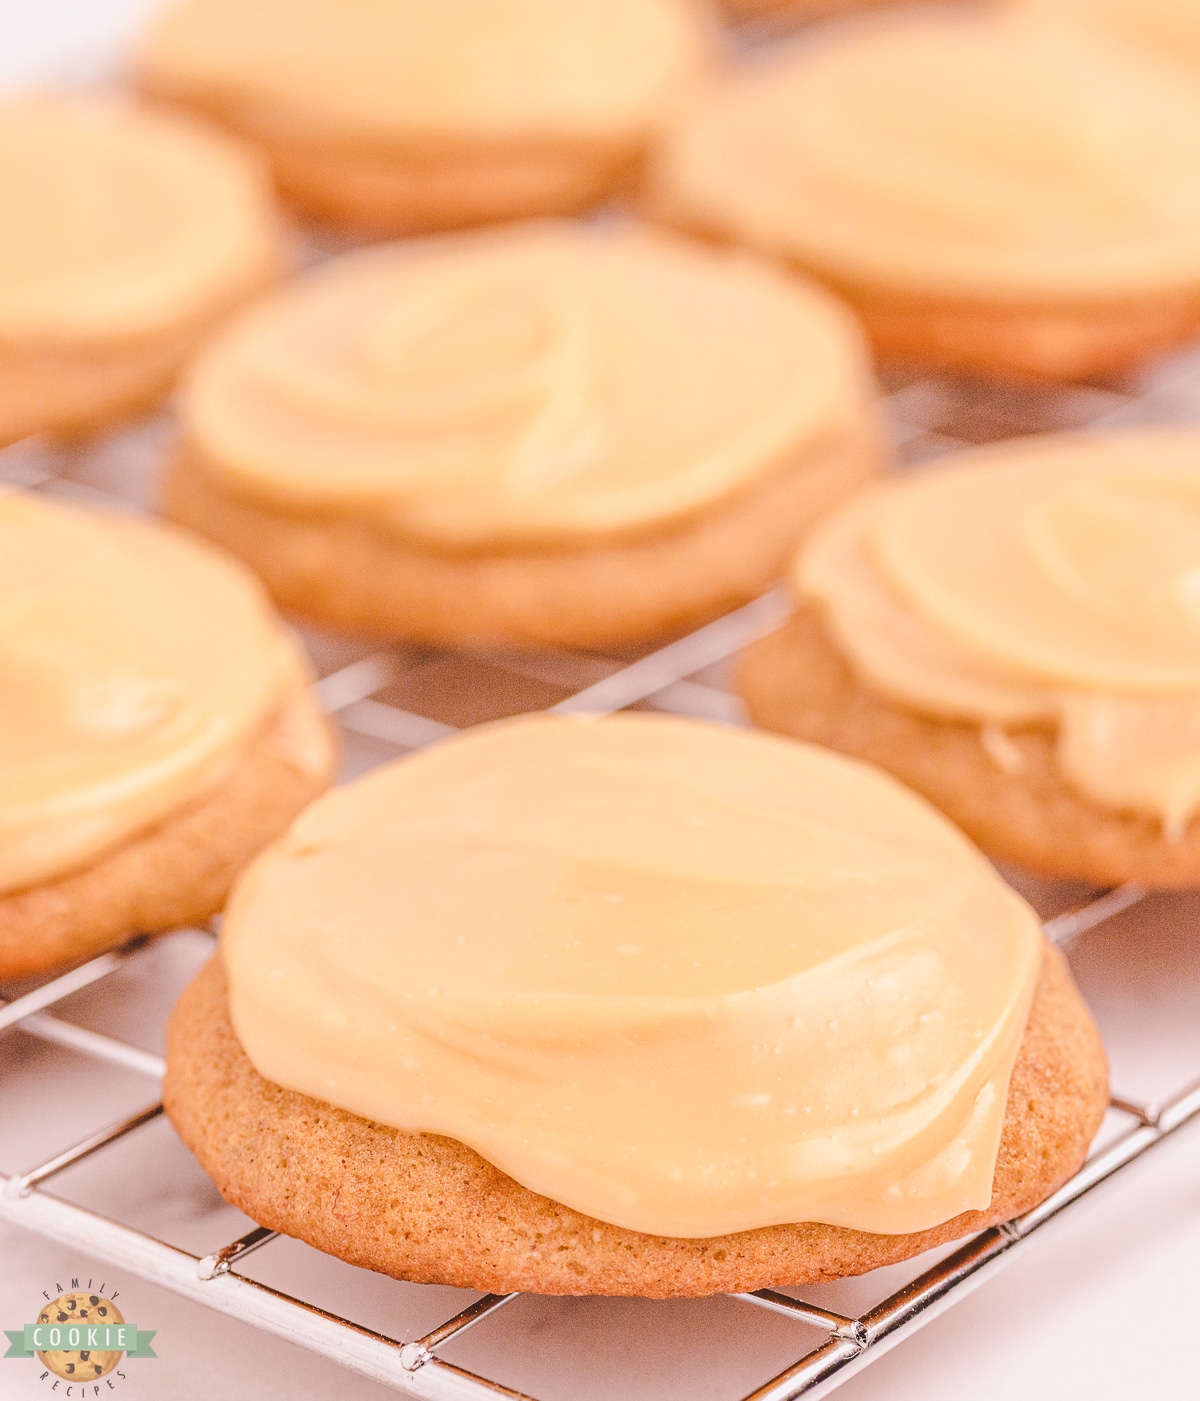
411,69
1168,29
683,978
135,666
118,222
956,156
550,381
1055,581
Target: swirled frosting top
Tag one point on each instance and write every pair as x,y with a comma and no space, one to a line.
964,156
539,382
1053,581
120,222
683,978
409,68
135,667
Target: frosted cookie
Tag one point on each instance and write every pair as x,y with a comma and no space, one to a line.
395,116
608,1006
553,433
990,195
1015,634
156,731
124,236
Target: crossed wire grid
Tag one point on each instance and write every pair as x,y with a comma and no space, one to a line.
925,417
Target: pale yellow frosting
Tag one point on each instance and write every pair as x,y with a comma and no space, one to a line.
118,223
1169,29
683,978
1054,581
547,381
135,667
416,70
953,155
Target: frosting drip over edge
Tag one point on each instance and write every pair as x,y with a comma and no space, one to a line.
1050,583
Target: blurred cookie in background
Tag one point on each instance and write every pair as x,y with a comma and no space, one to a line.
124,236
1012,632
395,116
991,195
156,730
551,433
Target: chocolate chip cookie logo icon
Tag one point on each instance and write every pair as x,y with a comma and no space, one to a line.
80,1337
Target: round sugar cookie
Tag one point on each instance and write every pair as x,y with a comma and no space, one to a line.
156,730
555,434
125,235
991,195
1011,632
399,116
609,1005
424,1208
797,682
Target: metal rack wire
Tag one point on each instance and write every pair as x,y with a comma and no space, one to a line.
403,699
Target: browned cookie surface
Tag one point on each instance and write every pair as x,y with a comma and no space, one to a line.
65,389
178,872
342,571
426,1208
797,682
1068,341
401,188
1056,342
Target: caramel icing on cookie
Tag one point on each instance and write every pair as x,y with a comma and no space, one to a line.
1168,29
549,69
1056,581
960,156
116,222
686,979
135,666
553,381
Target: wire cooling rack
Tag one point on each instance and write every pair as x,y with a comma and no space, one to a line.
389,702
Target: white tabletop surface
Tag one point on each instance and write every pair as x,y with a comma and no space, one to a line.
1093,1309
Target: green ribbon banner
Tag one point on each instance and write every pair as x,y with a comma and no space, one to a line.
72,1337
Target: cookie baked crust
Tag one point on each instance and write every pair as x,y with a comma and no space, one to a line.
344,572
1085,341
178,872
76,388
1068,341
797,682
395,188
425,1208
